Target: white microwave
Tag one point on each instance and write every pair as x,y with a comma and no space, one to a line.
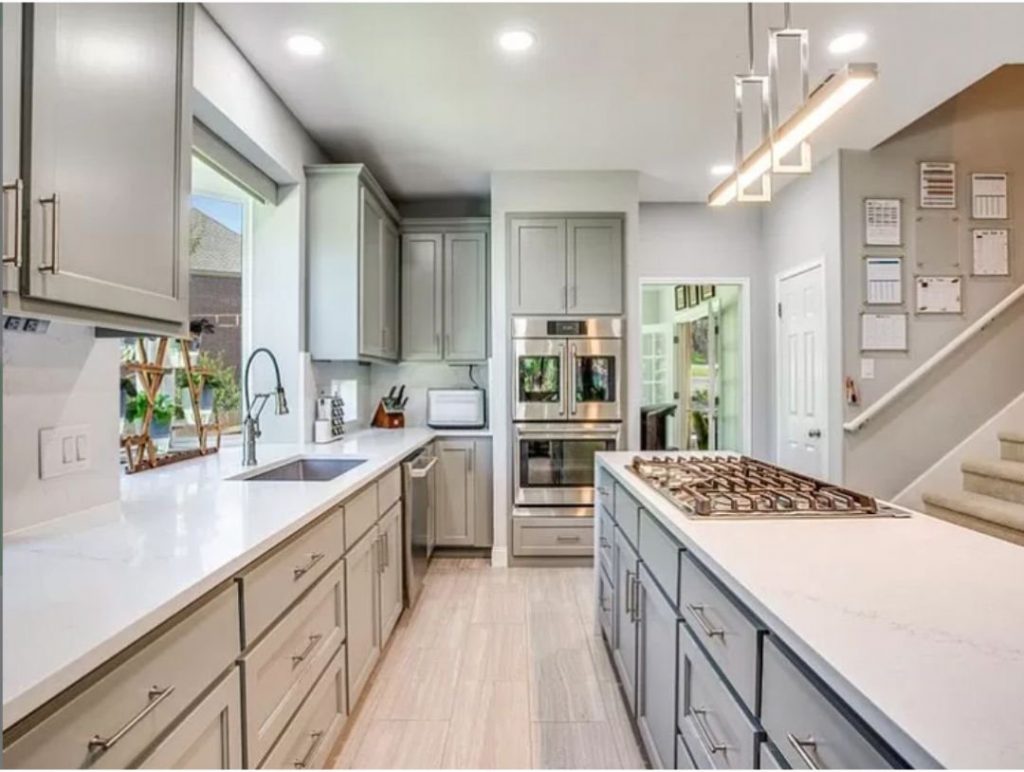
456,408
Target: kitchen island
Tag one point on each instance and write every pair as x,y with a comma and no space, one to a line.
908,633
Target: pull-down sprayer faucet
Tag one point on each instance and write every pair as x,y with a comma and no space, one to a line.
251,423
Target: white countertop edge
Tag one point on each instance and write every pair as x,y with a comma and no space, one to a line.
911,751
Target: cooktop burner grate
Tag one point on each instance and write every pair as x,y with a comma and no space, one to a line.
738,486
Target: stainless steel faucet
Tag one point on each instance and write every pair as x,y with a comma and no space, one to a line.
251,423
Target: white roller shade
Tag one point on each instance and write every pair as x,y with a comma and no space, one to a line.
232,164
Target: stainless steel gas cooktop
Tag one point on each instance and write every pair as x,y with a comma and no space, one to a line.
740,487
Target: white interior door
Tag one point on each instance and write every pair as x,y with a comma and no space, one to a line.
800,375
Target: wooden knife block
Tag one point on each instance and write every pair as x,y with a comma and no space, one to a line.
384,418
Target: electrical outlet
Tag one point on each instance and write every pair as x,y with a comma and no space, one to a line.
63,450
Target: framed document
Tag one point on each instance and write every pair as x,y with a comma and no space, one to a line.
883,222
883,332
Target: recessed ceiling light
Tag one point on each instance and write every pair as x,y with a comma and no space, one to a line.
720,170
305,45
847,42
516,40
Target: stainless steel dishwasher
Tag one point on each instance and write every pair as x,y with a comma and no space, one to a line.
418,483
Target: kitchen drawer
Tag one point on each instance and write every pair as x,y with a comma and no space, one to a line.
389,489
683,758
794,710
768,757
605,539
715,727
627,514
280,670
275,582
361,513
314,730
557,536
605,599
132,702
727,632
606,489
660,552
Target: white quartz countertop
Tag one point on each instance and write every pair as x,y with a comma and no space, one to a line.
916,623
80,589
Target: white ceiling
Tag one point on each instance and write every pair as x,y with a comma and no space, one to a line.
422,93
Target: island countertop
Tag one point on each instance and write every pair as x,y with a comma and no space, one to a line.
916,623
79,589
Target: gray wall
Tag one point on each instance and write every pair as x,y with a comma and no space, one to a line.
982,129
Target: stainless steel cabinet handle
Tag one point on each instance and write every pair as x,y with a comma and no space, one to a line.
572,377
814,433
379,555
709,630
387,550
603,542
637,608
297,659
54,265
567,538
712,745
298,573
602,490
14,258
801,747
156,695
316,737
628,594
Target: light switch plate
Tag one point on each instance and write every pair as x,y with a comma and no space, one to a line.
63,450
867,369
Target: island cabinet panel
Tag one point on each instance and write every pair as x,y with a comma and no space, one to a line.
282,667
627,515
683,758
660,553
362,612
119,712
624,638
605,539
807,725
605,603
768,757
209,737
606,490
656,671
389,549
272,584
728,633
716,729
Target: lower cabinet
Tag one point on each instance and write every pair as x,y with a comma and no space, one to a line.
656,671
624,634
605,604
463,512
390,569
208,737
362,610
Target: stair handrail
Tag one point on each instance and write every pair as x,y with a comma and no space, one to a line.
897,391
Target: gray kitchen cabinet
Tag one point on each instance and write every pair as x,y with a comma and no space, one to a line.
362,609
656,671
352,246
109,151
465,297
483,480
594,265
422,296
13,185
463,513
537,280
624,634
389,551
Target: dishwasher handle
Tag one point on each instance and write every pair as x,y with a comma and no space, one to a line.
418,471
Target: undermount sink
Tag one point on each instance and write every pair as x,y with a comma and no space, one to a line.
307,470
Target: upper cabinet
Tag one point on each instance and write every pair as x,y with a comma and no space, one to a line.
103,173
445,290
353,247
563,265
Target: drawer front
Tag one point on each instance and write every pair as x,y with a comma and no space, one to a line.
316,727
361,513
683,758
627,514
794,711
660,552
716,730
605,490
605,539
729,635
139,698
553,536
768,757
272,585
605,601
280,670
389,490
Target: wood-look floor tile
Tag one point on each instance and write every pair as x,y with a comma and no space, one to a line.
420,686
620,727
603,667
499,604
554,626
551,585
437,624
402,745
495,652
564,687
490,726
574,745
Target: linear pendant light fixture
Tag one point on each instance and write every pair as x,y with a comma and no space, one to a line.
829,98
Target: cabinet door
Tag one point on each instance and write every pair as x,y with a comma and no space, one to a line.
208,737
656,671
371,275
483,480
624,643
454,521
390,549
465,297
361,608
389,289
595,266
538,266
110,156
13,192
422,296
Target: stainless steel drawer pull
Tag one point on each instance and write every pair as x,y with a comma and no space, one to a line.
54,265
316,737
709,630
807,750
103,744
629,593
14,258
710,742
569,539
297,659
602,490
298,573
387,550
605,544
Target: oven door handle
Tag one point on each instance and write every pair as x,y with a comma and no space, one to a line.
547,435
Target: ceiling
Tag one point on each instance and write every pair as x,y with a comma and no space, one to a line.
422,93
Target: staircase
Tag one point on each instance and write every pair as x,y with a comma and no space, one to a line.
992,499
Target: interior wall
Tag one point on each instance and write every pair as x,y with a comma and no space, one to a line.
981,129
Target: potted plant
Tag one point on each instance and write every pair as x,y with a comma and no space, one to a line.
160,426
129,392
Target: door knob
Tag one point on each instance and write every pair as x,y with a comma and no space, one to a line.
814,433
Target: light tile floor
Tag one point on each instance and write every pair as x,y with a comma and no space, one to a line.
494,668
